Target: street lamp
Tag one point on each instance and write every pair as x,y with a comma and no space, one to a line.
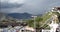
34,22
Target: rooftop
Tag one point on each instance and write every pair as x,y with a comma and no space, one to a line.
56,8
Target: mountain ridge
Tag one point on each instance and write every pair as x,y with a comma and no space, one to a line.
20,15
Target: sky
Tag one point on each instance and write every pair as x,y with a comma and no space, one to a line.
29,6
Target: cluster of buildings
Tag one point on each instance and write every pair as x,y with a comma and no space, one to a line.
54,26
8,24
22,27
56,9
18,29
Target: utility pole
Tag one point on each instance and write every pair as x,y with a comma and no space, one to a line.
34,22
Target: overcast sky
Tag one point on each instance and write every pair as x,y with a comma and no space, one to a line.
29,6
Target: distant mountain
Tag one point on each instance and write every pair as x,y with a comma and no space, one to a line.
20,15
17,15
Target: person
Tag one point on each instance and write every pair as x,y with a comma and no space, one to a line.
57,30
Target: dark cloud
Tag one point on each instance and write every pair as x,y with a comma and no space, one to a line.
9,5
30,6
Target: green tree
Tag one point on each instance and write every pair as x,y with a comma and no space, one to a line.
30,23
38,23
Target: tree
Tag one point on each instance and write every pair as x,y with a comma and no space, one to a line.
30,23
38,23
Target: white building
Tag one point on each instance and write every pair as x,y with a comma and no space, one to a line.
27,29
18,29
56,9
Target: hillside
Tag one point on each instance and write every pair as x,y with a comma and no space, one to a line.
20,15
